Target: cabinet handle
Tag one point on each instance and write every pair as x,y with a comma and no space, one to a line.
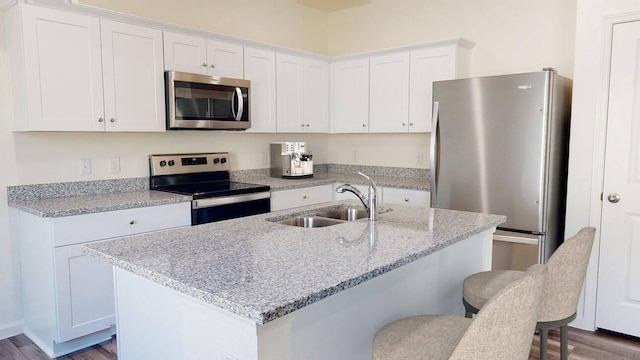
212,65
132,222
204,65
307,125
404,124
304,196
364,125
406,199
410,124
100,119
302,125
113,120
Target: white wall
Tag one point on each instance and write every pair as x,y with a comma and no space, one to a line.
10,299
588,130
510,35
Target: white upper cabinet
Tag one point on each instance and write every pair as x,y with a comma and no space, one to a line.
302,94
427,66
56,70
389,93
260,69
289,93
197,55
63,79
350,96
315,107
133,77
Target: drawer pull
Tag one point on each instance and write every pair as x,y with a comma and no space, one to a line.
132,222
406,199
304,196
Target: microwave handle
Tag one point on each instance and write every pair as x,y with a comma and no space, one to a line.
238,116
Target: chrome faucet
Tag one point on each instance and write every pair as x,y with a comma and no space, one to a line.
370,202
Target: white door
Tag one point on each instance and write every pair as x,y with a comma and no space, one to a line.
389,93
289,93
225,59
350,96
316,96
185,53
618,297
260,69
133,77
64,70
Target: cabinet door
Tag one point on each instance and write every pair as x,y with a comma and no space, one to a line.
185,53
260,69
389,93
406,196
133,77
289,93
315,96
225,59
427,66
63,70
350,96
286,199
85,298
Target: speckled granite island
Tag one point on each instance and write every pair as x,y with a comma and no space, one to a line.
253,288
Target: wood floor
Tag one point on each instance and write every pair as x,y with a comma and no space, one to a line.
584,345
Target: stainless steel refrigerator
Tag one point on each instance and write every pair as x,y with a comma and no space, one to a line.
500,145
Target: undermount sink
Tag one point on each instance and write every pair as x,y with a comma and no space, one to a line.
310,221
348,214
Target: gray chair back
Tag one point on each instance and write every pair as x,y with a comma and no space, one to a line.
504,327
567,269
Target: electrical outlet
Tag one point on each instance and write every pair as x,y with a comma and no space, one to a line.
85,167
114,165
419,158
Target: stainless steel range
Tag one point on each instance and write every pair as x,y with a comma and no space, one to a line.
206,178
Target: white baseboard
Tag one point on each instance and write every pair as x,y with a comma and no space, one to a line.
11,329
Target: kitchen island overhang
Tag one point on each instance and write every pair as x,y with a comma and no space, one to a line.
269,290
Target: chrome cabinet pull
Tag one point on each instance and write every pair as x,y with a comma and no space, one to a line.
212,65
132,222
113,120
100,119
406,199
204,65
404,124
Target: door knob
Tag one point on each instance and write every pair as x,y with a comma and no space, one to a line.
613,198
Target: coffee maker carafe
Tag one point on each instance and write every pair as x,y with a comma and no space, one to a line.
290,160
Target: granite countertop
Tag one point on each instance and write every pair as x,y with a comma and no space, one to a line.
67,199
277,184
87,204
263,270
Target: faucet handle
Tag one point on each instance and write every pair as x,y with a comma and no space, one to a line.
373,184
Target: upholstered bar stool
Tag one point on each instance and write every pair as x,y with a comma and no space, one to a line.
502,330
567,269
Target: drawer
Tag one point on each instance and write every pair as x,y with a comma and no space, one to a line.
98,226
406,196
286,199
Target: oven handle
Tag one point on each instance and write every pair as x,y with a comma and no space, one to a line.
226,200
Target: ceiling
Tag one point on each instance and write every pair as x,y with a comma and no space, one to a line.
332,5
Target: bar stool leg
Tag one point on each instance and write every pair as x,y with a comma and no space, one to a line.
564,342
543,343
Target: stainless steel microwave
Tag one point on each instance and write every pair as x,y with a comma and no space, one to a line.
206,102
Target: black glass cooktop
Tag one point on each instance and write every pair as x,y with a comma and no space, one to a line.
215,189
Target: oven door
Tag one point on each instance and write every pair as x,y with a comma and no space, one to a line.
205,102
229,207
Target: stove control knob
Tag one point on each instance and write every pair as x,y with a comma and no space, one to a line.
163,163
223,160
171,162
216,160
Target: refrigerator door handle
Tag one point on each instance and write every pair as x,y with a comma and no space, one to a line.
434,164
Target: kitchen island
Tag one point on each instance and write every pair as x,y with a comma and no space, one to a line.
253,288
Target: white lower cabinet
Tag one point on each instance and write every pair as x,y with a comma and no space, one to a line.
419,198
68,296
286,199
